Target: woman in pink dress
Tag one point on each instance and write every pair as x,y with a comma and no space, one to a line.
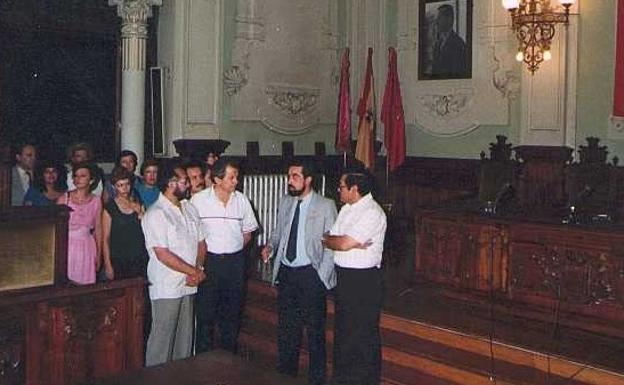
85,226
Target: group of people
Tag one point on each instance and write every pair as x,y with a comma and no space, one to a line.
104,222
186,229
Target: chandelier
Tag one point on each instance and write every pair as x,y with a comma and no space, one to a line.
533,22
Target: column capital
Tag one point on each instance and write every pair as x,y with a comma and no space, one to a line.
134,14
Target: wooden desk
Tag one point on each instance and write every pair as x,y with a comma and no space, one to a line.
213,368
531,268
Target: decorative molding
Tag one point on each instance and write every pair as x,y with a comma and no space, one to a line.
443,106
290,110
284,51
202,58
506,81
249,23
88,323
293,100
134,14
616,127
250,28
560,266
234,79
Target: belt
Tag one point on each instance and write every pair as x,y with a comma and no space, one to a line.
296,268
224,255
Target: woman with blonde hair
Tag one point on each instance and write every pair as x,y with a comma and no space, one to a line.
85,225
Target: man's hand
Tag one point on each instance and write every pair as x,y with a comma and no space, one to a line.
196,278
265,253
364,245
343,242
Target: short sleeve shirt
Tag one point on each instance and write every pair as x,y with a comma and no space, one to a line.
224,224
363,221
179,230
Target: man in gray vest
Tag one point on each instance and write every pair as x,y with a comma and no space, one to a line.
303,270
22,173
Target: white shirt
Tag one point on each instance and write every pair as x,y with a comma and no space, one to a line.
363,221
179,230
24,178
224,225
71,187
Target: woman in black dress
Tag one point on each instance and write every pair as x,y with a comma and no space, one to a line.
124,245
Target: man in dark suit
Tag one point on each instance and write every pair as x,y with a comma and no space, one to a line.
303,270
22,173
449,50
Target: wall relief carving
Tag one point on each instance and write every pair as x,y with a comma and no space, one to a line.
293,101
234,79
446,105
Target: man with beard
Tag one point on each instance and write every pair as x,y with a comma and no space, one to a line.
176,247
228,222
303,270
195,172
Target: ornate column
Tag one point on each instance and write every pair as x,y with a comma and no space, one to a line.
133,40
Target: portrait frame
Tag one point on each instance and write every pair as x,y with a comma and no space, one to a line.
445,39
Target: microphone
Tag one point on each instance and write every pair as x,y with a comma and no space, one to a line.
504,195
585,193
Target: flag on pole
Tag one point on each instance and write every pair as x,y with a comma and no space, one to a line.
343,126
392,115
364,151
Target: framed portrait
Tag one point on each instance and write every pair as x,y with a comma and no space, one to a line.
445,39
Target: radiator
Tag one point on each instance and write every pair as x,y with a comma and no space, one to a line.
265,193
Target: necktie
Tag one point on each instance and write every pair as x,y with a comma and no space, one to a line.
291,249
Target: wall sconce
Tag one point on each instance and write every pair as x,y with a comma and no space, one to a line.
533,22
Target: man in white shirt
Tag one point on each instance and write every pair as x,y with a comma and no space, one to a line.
228,222
176,248
22,173
357,240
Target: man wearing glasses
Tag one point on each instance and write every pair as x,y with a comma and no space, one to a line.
303,270
228,222
357,240
176,248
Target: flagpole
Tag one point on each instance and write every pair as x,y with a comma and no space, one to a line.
387,176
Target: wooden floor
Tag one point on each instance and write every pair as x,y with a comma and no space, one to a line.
427,303
429,338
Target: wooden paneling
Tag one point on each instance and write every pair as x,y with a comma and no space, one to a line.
534,267
71,335
462,254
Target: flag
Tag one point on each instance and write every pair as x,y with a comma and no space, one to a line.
392,115
364,151
343,126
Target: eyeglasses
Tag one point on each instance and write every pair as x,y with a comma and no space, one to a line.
341,186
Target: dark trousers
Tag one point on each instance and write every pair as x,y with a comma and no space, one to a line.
301,301
219,301
357,346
